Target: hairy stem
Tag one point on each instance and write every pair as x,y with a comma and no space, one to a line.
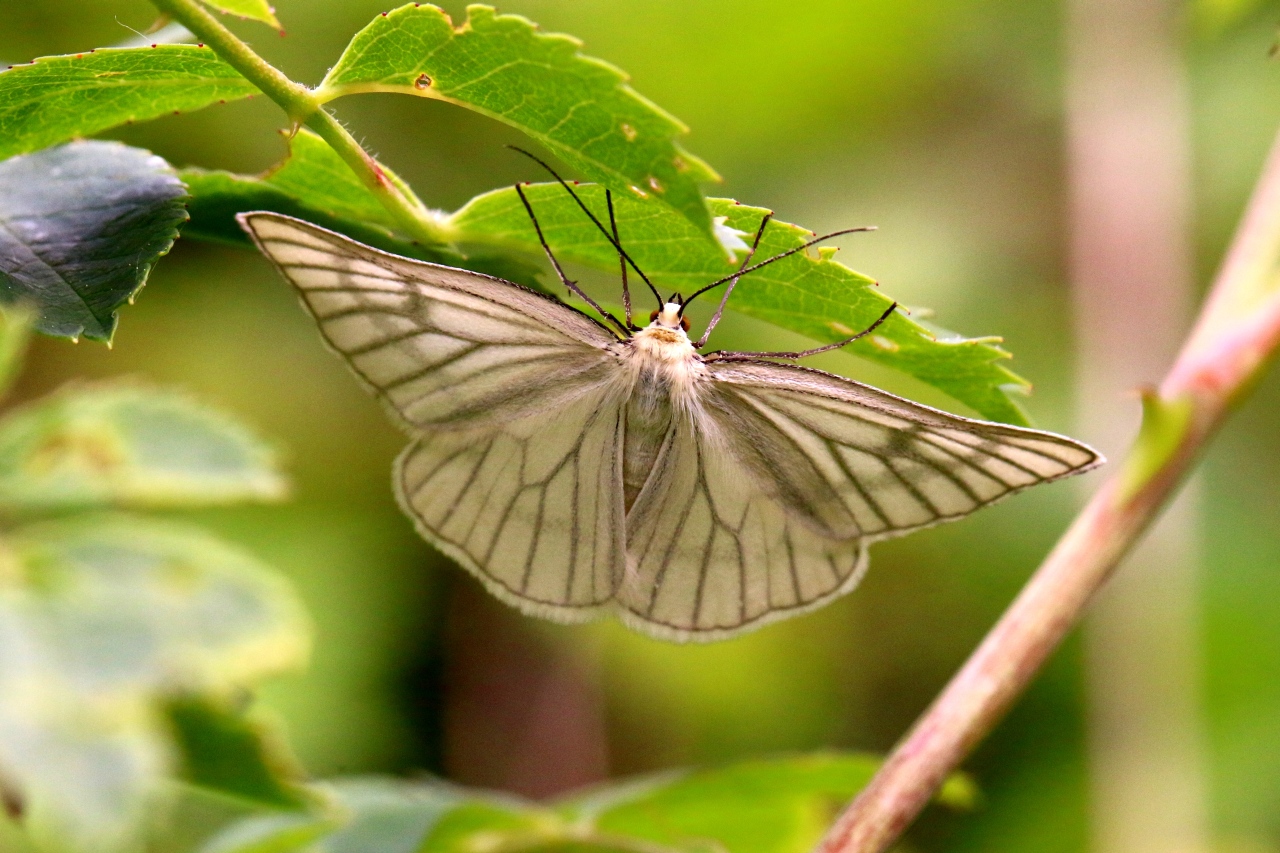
303,107
1236,333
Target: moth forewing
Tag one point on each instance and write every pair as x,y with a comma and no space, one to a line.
443,347
904,464
576,471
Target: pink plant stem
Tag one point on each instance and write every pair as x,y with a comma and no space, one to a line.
1237,331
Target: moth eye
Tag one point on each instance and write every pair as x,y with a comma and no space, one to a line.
653,315
684,323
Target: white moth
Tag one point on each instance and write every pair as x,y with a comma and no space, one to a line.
579,470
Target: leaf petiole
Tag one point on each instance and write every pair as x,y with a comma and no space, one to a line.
302,106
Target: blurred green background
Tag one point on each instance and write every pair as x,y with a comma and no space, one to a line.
941,122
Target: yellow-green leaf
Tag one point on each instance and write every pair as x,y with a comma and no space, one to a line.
254,10
129,445
56,98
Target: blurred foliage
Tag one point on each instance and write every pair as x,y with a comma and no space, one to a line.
129,445
779,805
107,619
937,121
123,639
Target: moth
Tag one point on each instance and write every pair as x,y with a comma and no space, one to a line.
582,466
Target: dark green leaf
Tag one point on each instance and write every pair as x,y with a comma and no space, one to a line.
80,228
224,750
127,445
813,295
316,185
56,98
254,10
502,66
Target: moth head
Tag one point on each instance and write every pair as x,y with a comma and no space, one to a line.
670,316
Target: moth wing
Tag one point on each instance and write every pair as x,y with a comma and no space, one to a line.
512,396
862,462
764,499
442,347
532,507
711,553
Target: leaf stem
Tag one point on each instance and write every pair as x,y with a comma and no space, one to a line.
1236,334
303,106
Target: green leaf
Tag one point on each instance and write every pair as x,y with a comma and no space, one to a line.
367,815
56,98
225,750
579,107
1212,17
814,296
129,445
80,227
271,833
312,179
15,332
780,805
315,173
389,816
132,604
103,619
314,184
516,822
254,10
1164,428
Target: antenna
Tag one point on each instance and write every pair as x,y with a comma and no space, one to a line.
747,356
612,240
564,279
735,276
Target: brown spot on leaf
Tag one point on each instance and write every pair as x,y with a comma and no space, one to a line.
71,449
